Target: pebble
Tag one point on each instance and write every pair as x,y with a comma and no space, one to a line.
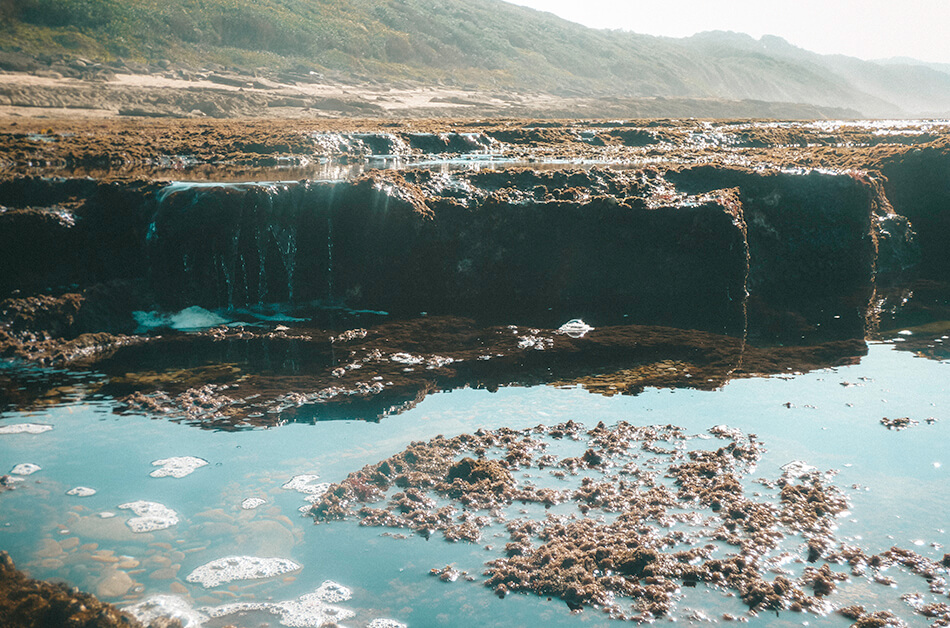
52,564
164,561
167,573
49,549
114,584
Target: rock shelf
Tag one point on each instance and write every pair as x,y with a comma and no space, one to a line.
782,238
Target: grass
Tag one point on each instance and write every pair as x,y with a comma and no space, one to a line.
487,44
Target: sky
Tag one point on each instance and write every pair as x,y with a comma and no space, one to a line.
868,29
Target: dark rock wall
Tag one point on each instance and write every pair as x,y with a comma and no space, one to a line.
59,234
814,243
918,187
780,254
380,245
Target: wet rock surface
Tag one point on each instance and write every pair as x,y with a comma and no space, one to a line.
25,603
780,240
234,377
680,232
696,252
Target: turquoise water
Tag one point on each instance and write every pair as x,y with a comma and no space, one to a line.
896,481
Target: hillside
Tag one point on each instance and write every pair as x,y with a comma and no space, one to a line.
471,44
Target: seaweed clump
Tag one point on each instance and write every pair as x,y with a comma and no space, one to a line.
617,518
28,603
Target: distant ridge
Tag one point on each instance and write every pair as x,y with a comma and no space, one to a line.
940,67
476,44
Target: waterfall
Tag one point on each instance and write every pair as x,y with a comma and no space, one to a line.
286,238
329,255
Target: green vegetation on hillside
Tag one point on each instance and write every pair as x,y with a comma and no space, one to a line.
476,43
392,38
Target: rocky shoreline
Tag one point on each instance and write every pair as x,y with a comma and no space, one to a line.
28,603
733,230
612,256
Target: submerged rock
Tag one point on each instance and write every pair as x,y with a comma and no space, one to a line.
25,603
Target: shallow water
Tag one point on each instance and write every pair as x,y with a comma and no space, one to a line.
896,482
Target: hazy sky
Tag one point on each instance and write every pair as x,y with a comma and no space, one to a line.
868,29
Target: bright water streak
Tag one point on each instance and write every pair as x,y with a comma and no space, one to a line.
901,498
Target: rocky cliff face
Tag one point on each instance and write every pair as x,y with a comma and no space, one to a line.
684,247
453,278
511,245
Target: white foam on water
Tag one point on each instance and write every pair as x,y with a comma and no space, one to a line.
406,358
152,516
158,606
240,568
538,343
26,468
253,502
189,319
25,428
797,468
386,623
333,592
105,514
177,467
81,491
235,607
312,610
438,361
307,484
575,328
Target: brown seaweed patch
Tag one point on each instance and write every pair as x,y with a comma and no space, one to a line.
878,619
648,515
899,424
25,602
938,611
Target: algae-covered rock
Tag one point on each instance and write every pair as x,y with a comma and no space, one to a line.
27,603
